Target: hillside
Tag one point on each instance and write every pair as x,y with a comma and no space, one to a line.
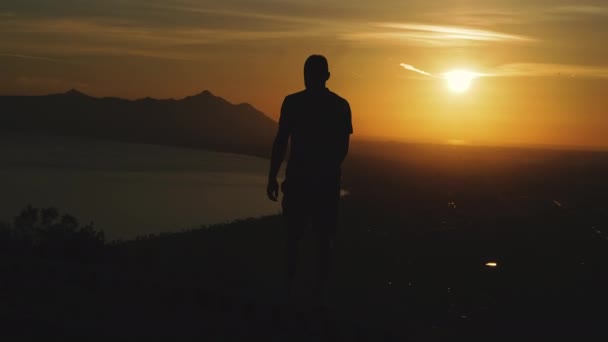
202,121
223,283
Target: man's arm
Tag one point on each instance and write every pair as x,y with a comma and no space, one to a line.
344,141
279,148
343,147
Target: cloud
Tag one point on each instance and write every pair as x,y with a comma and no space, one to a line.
203,24
451,32
79,36
446,75
126,31
583,9
220,12
479,16
414,69
13,55
241,24
530,70
549,70
493,16
431,35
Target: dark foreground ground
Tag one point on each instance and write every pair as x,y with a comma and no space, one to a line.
418,228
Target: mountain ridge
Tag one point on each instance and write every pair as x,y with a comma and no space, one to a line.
203,120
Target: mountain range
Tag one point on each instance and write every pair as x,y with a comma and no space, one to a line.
200,121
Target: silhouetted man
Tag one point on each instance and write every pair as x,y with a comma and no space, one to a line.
318,122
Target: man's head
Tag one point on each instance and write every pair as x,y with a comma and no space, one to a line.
316,72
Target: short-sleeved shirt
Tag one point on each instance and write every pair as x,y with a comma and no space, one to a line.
318,123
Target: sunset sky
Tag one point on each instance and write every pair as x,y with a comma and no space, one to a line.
541,65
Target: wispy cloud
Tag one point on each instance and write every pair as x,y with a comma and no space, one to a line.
99,36
478,16
20,56
450,32
529,70
445,75
492,16
121,37
223,12
583,9
431,35
414,69
240,23
125,31
550,70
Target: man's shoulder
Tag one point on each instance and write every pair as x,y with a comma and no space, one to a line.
339,99
303,93
295,96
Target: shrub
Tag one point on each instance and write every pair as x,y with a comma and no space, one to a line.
46,233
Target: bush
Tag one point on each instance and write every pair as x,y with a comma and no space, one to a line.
45,233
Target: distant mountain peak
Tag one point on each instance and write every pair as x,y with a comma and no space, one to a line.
205,93
207,97
75,92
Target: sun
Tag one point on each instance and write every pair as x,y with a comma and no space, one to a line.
459,81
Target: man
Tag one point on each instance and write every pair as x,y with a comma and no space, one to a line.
318,122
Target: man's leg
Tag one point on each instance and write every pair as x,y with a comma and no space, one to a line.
325,224
295,221
325,241
293,229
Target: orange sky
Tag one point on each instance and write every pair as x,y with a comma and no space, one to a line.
544,61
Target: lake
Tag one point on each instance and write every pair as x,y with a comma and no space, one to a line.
130,189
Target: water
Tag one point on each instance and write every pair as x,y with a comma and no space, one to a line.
130,189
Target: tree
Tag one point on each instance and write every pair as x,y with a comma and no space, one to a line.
43,232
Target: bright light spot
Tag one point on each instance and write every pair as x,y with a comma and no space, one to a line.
491,264
459,81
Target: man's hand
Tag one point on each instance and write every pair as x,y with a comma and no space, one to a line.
272,190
